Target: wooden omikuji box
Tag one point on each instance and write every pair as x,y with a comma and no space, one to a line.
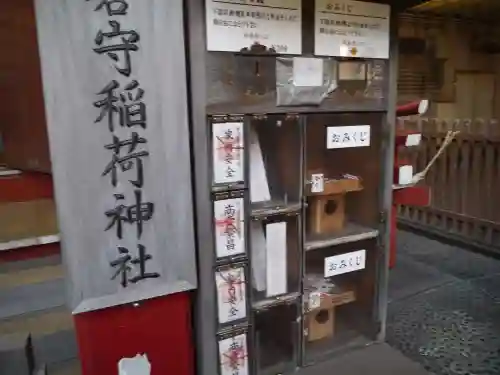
321,320
327,209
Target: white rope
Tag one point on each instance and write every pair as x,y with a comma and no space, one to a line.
448,139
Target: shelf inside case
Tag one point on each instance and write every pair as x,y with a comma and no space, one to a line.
351,232
275,162
339,291
274,207
277,338
342,175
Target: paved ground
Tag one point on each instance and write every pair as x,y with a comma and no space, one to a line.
378,359
444,309
444,317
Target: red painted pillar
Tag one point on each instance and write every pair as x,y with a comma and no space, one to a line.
405,194
159,328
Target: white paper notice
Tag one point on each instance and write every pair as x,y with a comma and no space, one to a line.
259,186
413,139
258,246
317,183
235,24
231,294
228,152
352,29
233,355
314,300
345,263
348,136
229,227
405,175
276,266
139,365
307,72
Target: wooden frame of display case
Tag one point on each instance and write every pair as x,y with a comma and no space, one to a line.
203,104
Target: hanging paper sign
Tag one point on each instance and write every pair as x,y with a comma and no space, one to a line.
317,183
233,355
352,29
234,24
231,294
229,227
276,259
345,263
228,150
348,136
314,300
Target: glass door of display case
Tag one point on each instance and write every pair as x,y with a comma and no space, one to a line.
342,179
275,239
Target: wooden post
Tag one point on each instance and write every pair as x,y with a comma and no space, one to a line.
116,101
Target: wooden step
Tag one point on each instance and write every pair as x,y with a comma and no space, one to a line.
30,290
34,220
38,324
25,264
25,187
30,276
20,220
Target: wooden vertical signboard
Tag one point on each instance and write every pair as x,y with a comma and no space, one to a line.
115,95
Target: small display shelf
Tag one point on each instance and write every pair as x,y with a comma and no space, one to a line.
323,297
339,294
275,256
277,338
342,172
276,207
326,211
351,232
275,162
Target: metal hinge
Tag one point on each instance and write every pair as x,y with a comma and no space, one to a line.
383,215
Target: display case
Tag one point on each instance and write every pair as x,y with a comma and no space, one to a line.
296,138
277,339
342,178
275,170
275,244
339,294
275,158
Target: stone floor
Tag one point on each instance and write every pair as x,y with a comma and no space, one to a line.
377,359
444,309
444,317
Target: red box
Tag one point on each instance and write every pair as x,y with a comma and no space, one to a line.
159,328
